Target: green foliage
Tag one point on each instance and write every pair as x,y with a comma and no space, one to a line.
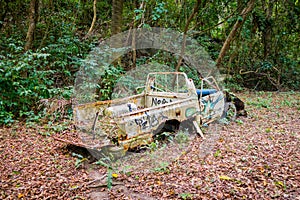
51,128
154,13
263,55
163,167
79,160
181,137
108,80
158,11
106,162
217,153
127,170
165,136
233,83
153,146
186,196
103,163
109,178
25,78
21,82
261,102
211,45
265,52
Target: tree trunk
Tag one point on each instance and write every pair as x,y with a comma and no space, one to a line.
267,31
116,27
4,8
33,16
117,10
94,18
186,28
133,42
234,30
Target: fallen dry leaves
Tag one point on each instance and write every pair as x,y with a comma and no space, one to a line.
37,167
257,157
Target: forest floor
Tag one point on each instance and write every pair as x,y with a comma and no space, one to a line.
256,157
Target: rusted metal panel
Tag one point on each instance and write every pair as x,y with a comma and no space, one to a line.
85,113
148,119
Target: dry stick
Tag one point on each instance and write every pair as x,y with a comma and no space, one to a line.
273,81
94,18
232,34
195,10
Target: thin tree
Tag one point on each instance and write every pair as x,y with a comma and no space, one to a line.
116,25
117,10
33,17
186,28
94,18
267,31
238,24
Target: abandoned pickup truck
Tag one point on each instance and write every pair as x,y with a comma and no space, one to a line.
169,101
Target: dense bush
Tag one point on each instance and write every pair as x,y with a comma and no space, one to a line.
27,77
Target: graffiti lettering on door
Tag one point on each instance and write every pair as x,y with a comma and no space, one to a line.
149,121
160,101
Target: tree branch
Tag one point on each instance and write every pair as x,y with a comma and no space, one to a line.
94,18
232,34
186,28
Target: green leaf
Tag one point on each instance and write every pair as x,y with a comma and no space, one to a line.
100,162
109,179
77,155
217,153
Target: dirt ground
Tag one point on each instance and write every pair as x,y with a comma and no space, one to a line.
256,157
